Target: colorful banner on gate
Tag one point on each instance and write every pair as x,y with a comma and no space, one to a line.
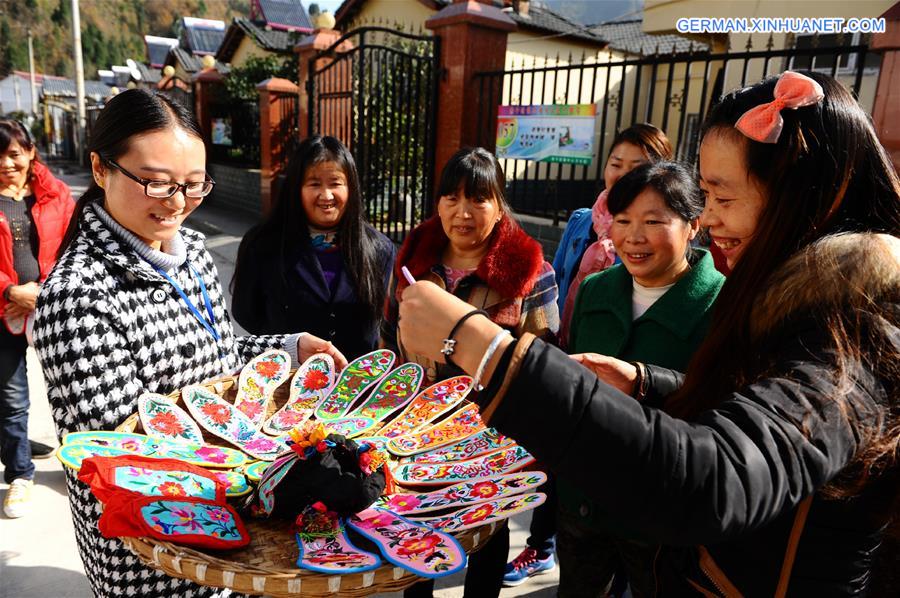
548,133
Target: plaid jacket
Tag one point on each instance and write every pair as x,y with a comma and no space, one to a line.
520,297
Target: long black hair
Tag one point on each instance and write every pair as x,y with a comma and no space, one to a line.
286,228
127,115
826,174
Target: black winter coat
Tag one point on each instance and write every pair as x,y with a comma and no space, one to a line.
730,480
291,295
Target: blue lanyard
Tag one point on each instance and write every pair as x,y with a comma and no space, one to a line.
208,323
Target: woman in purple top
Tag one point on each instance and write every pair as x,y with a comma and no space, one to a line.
315,264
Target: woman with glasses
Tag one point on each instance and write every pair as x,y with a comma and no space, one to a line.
135,305
35,208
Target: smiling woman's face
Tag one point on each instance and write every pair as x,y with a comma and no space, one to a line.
171,154
734,199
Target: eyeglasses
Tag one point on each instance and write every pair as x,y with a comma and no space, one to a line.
165,189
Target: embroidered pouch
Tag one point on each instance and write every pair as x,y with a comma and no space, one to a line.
430,404
359,376
310,385
190,521
257,383
149,476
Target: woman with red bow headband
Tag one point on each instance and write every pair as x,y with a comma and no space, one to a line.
772,465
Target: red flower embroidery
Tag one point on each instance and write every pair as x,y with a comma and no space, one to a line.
250,409
479,514
171,489
167,423
268,369
403,502
216,412
416,546
211,454
315,380
486,489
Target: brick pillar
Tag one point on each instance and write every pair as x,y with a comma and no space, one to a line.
886,111
204,82
309,46
473,39
270,142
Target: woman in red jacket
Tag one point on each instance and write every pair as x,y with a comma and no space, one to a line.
34,212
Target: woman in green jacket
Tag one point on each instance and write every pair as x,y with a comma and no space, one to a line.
654,308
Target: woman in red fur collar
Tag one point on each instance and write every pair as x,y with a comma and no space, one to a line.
474,249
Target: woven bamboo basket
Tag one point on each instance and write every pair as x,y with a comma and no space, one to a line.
268,564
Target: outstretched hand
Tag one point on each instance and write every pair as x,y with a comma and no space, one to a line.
615,372
427,315
308,345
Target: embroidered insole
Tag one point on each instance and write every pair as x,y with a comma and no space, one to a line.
140,444
255,470
486,512
486,441
310,385
430,404
484,467
360,375
411,546
257,383
162,418
334,555
461,425
463,494
349,426
396,390
222,419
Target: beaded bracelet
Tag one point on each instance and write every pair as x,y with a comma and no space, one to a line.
450,342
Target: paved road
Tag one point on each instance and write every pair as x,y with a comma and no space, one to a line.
38,557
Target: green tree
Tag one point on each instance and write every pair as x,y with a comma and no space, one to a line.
241,82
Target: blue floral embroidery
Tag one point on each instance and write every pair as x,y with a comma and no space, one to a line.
172,517
151,482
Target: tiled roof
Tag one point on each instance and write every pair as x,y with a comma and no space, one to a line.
157,48
149,74
65,88
541,18
201,40
191,63
276,40
285,14
628,36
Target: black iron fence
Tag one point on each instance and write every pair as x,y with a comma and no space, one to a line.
672,91
380,98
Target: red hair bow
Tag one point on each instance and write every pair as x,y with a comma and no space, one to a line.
763,123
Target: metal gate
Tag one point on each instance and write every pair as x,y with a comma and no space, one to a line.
375,89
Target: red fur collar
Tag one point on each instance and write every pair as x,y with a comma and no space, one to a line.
510,267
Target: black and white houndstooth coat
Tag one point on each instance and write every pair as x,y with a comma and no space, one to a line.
108,328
